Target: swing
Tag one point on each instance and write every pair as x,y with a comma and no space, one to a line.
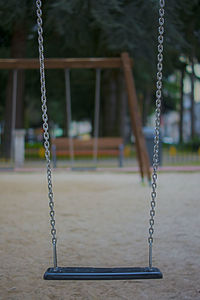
91,273
96,121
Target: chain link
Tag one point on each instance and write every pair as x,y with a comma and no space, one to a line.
45,126
157,126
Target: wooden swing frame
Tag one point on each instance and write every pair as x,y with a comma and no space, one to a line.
124,62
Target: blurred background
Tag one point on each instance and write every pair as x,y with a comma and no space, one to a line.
102,29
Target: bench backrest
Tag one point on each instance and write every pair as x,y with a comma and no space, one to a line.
103,143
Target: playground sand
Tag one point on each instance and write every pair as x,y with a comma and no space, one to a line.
101,220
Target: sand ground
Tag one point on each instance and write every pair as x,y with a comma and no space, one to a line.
102,220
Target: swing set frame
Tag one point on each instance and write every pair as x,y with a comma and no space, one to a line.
124,62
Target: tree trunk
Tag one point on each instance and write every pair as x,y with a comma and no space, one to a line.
192,100
18,43
181,105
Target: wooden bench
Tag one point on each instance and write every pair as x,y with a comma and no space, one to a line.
109,146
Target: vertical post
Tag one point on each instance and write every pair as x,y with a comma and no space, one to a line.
18,147
181,105
69,114
192,112
14,103
121,155
54,158
96,114
135,118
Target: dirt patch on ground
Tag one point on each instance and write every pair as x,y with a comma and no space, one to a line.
101,220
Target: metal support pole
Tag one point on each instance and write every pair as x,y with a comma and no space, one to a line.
121,155
150,255
69,114
54,158
96,114
14,104
55,264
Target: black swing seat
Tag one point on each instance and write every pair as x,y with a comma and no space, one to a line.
89,273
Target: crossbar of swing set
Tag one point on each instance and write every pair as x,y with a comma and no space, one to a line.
62,63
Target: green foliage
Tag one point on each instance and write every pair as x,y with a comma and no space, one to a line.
86,28
192,145
33,145
171,94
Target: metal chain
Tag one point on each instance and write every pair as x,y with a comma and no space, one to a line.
157,125
157,128
46,129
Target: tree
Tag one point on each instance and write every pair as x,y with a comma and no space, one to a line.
78,28
14,18
191,33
